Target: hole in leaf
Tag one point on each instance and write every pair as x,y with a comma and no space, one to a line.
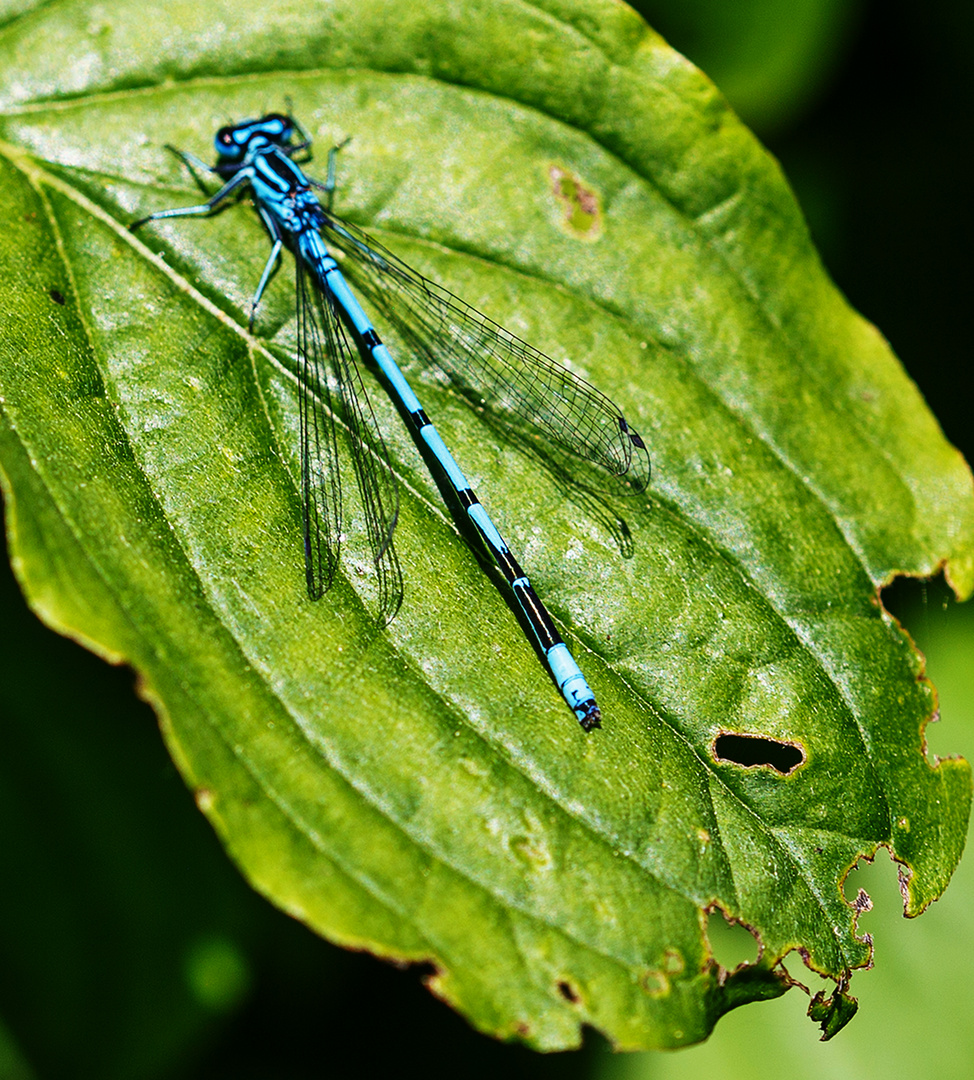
916,603
568,992
748,750
57,296
874,878
731,944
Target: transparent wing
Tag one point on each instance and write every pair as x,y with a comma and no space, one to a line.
489,364
321,489
329,374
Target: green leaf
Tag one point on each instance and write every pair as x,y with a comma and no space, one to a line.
422,791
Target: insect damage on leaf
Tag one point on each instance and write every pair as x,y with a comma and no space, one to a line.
751,750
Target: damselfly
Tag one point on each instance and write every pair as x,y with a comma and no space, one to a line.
511,377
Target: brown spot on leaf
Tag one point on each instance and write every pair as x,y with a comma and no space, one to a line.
582,214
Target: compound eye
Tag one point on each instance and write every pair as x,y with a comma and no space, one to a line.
224,137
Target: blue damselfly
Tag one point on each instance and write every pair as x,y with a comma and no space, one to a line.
332,328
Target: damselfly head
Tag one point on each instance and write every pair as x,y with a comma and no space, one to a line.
233,141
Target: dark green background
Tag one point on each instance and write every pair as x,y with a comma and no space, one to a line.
129,946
